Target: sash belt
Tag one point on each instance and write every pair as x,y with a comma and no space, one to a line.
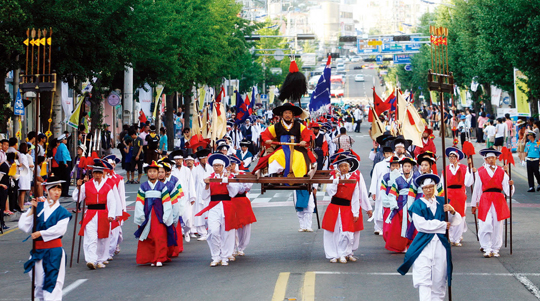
220,197
493,190
455,186
340,201
55,243
241,195
97,207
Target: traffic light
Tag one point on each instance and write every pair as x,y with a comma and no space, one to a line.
334,55
346,39
402,38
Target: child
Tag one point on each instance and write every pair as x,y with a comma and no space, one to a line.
490,131
153,200
48,258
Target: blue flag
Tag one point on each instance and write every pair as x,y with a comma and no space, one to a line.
242,109
321,95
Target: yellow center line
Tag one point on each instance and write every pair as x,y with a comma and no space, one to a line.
308,291
281,287
9,231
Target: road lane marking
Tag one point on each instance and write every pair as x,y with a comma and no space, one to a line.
73,286
9,231
410,274
529,285
308,290
281,287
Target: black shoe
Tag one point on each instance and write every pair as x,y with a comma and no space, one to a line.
531,189
5,227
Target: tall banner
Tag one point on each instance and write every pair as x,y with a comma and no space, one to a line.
463,96
202,97
159,90
495,95
74,118
271,95
520,91
67,102
145,99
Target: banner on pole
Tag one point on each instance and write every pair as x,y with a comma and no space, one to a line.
159,90
520,91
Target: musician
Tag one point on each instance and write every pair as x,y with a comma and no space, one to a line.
244,155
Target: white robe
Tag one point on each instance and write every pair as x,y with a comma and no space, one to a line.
26,223
380,169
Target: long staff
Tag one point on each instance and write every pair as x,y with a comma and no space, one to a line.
76,215
83,206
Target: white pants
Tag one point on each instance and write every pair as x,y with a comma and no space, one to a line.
490,232
201,230
338,243
116,239
221,242
305,217
378,215
56,294
187,218
95,250
199,222
356,242
348,126
244,236
429,271
456,232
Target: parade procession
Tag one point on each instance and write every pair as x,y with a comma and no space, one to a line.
237,150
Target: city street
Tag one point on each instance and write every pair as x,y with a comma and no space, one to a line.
363,90
283,264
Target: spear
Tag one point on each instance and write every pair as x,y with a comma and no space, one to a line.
27,52
508,159
33,35
44,50
468,150
38,43
49,42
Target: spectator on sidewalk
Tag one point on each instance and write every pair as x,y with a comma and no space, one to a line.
533,156
138,154
358,117
152,141
500,134
25,172
343,141
4,145
522,140
490,132
129,158
106,141
63,158
163,143
480,128
510,130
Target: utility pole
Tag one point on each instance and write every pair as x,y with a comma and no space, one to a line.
128,114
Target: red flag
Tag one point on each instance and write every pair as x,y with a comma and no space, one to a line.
220,96
370,117
445,41
411,119
380,105
142,117
432,39
247,103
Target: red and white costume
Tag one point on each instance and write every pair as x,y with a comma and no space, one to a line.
490,189
459,178
117,182
244,215
221,217
101,204
338,222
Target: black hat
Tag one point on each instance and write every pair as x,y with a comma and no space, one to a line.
287,106
407,160
177,154
427,179
387,149
244,142
353,162
203,153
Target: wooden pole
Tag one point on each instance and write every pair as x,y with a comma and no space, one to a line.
471,166
76,219
44,51
35,195
27,53
431,42
47,42
510,197
38,53
33,34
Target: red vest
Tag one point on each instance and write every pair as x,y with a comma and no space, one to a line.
344,191
217,189
457,196
496,198
94,197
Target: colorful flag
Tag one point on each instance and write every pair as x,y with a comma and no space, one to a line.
74,119
242,109
380,105
321,96
391,100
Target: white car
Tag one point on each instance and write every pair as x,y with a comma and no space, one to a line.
359,78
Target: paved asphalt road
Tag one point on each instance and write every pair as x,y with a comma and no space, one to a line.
363,89
283,264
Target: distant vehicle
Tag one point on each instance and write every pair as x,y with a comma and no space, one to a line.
337,86
359,78
355,59
312,83
318,71
358,67
339,60
304,101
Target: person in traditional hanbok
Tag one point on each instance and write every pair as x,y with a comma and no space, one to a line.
342,217
491,185
398,219
379,170
242,208
244,155
429,254
101,202
174,244
121,208
49,258
221,215
201,172
153,214
386,185
458,178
